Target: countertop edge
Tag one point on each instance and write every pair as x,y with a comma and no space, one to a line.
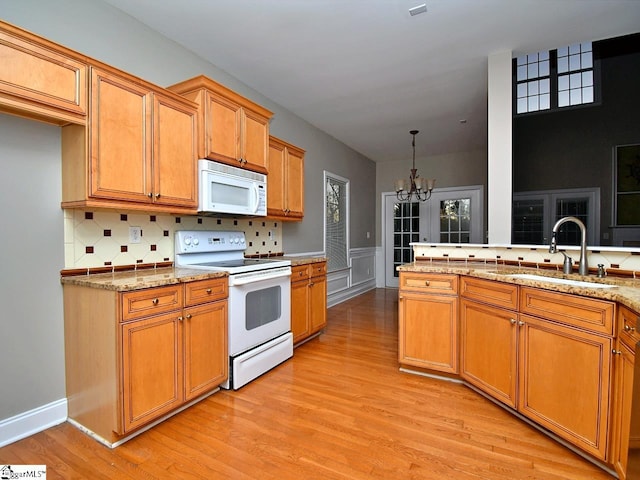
624,291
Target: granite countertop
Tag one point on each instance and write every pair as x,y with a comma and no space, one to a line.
625,291
295,261
127,280
139,279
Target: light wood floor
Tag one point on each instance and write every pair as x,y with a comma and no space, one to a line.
340,409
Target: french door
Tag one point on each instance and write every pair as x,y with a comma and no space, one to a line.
451,215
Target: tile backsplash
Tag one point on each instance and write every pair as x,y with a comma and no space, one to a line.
99,238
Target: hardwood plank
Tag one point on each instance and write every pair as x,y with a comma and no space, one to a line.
340,409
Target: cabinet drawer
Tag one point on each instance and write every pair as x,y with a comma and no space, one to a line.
300,272
151,301
429,283
204,291
317,269
628,327
488,291
582,312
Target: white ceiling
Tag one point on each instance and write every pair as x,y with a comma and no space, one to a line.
367,72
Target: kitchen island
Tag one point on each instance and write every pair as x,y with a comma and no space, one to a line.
549,347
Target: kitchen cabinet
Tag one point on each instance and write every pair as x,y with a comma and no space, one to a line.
308,300
232,129
565,366
285,182
489,337
428,321
139,151
151,352
45,81
626,416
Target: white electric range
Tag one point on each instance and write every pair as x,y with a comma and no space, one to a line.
259,300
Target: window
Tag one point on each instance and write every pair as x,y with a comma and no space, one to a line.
535,213
336,221
554,79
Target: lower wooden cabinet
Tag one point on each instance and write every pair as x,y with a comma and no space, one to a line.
489,350
308,300
626,415
564,382
133,357
428,321
547,355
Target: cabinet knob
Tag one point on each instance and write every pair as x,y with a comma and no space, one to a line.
513,321
616,352
629,328
426,283
521,323
180,318
188,316
157,195
155,301
208,291
150,194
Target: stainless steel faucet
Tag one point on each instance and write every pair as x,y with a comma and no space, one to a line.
583,268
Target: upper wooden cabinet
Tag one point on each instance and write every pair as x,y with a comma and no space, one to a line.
40,79
285,182
232,129
138,152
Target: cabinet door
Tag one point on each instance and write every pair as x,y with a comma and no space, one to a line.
254,141
41,80
295,183
175,169
222,129
624,368
488,350
564,382
428,331
151,365
120,145
317,303
300,326
205,348
276,194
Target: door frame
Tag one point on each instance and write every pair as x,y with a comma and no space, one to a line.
476,192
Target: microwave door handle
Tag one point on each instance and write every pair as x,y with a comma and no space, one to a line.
256,193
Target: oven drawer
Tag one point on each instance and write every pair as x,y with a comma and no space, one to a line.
203,291
151,301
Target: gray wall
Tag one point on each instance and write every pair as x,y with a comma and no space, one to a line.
32,332
31,255
452,170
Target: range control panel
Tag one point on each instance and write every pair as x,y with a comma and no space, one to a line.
203,241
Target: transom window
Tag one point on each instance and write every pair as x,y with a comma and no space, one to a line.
554,79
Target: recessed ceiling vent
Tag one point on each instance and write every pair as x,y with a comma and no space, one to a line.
417,10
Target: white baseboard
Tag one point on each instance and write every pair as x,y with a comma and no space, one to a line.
346,294
25,424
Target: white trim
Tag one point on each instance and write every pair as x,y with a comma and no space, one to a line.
347,183
33,421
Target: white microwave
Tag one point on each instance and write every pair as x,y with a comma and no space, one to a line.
230,190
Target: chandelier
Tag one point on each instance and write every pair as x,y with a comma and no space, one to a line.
418,188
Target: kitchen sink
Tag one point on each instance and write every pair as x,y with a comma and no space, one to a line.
562,281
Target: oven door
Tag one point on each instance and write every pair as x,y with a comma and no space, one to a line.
259,308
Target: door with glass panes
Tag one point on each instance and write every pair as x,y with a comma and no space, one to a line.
451,215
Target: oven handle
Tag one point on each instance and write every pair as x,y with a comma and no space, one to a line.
239,280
